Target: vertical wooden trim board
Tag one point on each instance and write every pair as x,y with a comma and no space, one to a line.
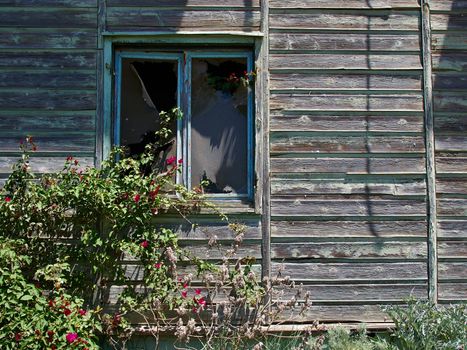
264,151
430,152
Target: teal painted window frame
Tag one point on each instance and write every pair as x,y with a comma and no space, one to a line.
111,86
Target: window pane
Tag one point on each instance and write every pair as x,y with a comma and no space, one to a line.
219,124
147,87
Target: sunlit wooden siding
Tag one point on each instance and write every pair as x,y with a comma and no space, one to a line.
449,26
48,80
183,15
347,153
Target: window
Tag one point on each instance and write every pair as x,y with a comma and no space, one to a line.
214,92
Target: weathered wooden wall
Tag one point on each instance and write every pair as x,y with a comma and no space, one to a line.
48,80
347,147
347,153
449,47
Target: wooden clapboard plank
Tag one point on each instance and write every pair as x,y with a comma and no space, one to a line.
452,291
24,123
455,229
204,252
289,81
454,249
48,39
50,3
451,165
444,101
322,229
59,143
456,61
185,3
449,41
348,4
448,5
284,142
446,81
48,59
452,185
336,313
346,61
452,270
356,292
452,207
380,250
375,123
339,21
350,165
450,123
287,187
450,143
331,41
48,17
351,272
150,18
336,102
48,79
52,99
348,207
42,164
449,21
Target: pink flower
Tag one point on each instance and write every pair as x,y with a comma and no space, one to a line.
201,302
71,337
144,244
158,265
198,291
171,160
67,312
82,312
136,198
69,158
76,162
7,199
180,161
184,294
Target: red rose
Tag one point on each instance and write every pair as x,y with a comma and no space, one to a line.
82,312
198,291
184,294
136,198
144,244
67,312
158,265
171,160
71,337
7,199
18,336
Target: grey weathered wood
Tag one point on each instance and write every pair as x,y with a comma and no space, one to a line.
452,207
61,143
337,313
345,61
450,143
452,270
330,229
42,164
48,39
448,21
353,272
452,185
354,251
48,59
337,102
352,165
349,207
448,5
339,21
48,18
49,121
449,41
186,3
48,79
153,18
393,81
375,123
455,61
447,101
455,229
451,165
49,99
348,4
284,142
357,42
452,291
358,292
450,123
50,3
444,81
452,250
286,187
